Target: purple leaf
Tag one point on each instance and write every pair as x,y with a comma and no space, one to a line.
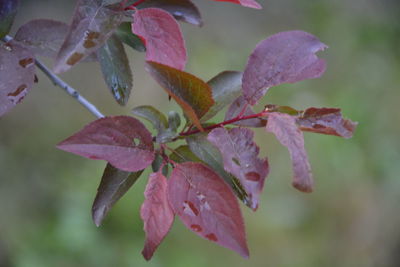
17,74
92,24
236,108
183,10
286,57
326,121
246,3
162,35
207,206
284,127
121,140
239,154
156,213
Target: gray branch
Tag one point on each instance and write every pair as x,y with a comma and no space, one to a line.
66,87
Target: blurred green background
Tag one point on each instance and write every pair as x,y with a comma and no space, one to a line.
352,218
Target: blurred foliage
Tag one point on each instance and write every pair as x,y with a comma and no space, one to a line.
351,219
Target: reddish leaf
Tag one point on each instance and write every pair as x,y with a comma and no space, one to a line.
207,206
121,140
286,57
191,93
162,35
246,3
236,108
93,22
156,213
284,127
17,74
240,153
183,10
326,121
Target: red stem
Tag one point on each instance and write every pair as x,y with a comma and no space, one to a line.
238,118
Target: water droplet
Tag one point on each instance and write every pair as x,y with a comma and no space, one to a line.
196,228
190,209
212,237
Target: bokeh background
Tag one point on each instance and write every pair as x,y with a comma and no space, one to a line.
352,218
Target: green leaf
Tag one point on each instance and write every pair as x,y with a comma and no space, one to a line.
226,87
116,71
190,92
125,34
153,115
114,184
174,120
183,154
283,109
157,163
8,10
166,136
209,154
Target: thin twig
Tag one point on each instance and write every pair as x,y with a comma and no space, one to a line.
67,88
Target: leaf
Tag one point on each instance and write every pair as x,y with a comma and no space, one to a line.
207,206
163,37
158,163
239,153
210,155
326,121
153,115
121,140
17,74
237,107
124,33
284,127
190,92
226,87
282,109
8,10
183,10
92,24
174,120
156,213
286,57
114,184
246,3
183,154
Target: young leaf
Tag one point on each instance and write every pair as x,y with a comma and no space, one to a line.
284,127
163,37
174,120
124,33
326,121
246,3
210,155
8,10
207,206
92,24
121,140
236,108
240,155
158,163
114,184
183,10
226,87
190,92
286,57
156,213
17,74
153,115
115,68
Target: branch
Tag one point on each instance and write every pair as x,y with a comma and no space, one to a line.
67,88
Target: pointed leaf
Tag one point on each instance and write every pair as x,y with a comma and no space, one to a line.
210,155
236,108
124,33
114,184
183,10
183,154
93,23
226,87
326,121
190,92
240,155
153,115
286,57
207,206
284,127
8,10
156,213
163,37
17,74
121,140
246,3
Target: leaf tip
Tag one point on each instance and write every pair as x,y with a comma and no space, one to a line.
98,214
303,187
